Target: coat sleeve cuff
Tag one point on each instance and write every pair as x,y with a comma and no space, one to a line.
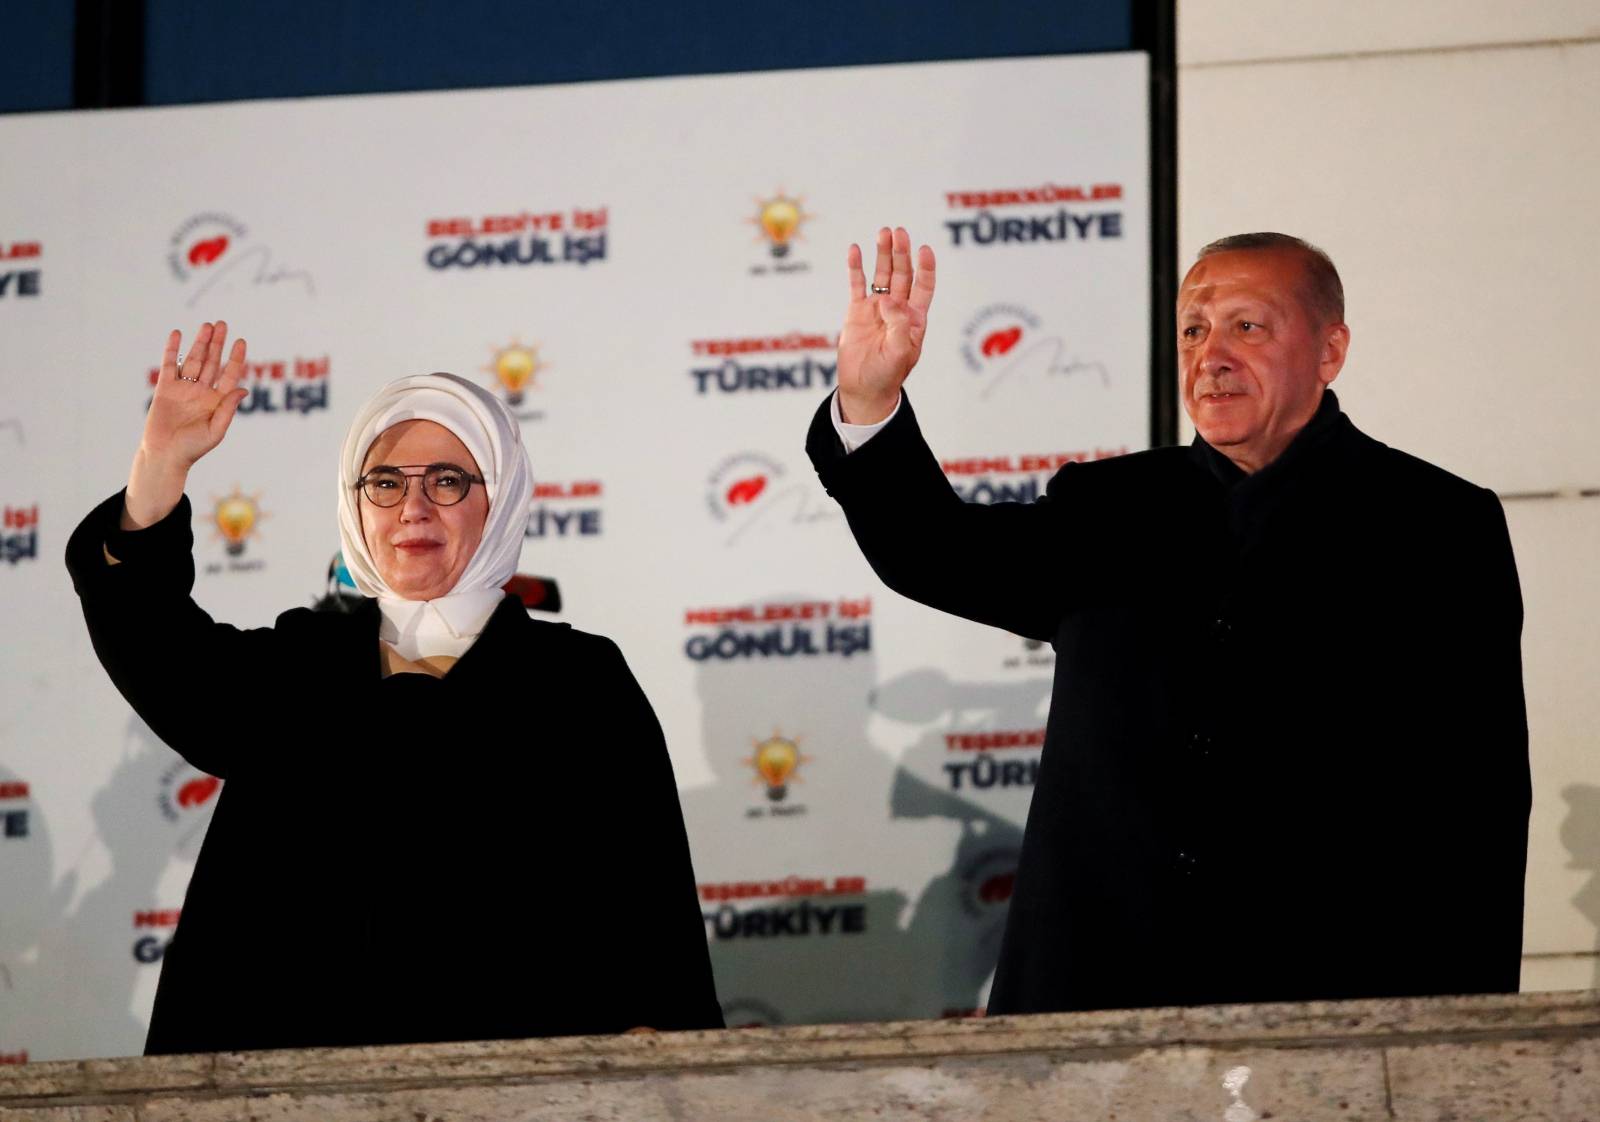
853,436
895,457
165,546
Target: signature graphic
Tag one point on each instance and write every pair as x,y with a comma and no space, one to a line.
265,272
796,505
1046,358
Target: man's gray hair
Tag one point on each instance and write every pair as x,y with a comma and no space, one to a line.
1324,292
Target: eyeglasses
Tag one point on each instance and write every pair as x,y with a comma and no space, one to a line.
443,484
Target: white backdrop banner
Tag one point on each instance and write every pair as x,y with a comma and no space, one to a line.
652,273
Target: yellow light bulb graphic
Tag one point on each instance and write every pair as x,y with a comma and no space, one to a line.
515,367
235,516
775,761
779,218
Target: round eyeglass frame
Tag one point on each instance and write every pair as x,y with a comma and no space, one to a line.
429,476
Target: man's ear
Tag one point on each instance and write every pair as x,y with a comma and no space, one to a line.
1335,345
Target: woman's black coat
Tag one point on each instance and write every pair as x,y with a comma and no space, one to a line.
1287,755
497,853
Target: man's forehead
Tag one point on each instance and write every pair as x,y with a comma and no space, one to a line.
1269,275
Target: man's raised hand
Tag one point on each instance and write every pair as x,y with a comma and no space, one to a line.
883,331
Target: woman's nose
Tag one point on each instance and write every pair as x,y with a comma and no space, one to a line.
415,506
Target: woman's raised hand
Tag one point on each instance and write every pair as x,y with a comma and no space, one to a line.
883,330
194,403
189,415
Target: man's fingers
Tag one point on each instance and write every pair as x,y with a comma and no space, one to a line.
895,312
234,371
858,279
900,260
904,325
880,268
922,288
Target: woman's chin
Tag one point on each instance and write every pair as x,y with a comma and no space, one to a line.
409,586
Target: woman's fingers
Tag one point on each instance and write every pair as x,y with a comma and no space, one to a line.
191,363
196,398
222,417
234,371
208,373
169,357
197,343
900,262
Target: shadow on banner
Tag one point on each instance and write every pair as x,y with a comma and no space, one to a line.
78,956
836,883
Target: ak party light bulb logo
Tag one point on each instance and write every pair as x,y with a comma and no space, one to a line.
777,761
236,518
778,220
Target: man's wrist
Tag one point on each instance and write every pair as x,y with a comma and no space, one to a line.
862,410
854,436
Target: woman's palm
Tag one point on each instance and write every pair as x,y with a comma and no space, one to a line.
189,418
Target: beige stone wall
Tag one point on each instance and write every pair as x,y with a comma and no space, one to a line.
1528,1058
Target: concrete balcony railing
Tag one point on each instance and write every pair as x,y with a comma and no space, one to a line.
1525,1058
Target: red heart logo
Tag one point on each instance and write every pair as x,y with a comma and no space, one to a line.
203,253
1001,341
997,889
530,590
197,791
746,490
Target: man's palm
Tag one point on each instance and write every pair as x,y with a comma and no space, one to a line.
883,329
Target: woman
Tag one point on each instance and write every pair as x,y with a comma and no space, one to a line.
442,820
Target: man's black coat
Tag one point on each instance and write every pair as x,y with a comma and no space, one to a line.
495,853
1287,750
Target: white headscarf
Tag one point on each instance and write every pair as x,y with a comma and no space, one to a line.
450,624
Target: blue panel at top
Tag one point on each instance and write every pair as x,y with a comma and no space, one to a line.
292,48
35,55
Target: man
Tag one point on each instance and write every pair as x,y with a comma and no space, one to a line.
1287,749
